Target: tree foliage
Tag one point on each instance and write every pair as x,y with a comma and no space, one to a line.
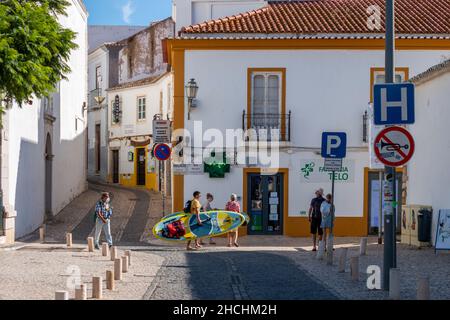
34,48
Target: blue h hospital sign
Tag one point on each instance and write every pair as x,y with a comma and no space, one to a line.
394,104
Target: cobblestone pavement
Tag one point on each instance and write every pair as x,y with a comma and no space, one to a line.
228,275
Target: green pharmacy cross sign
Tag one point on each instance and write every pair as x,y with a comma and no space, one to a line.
217,167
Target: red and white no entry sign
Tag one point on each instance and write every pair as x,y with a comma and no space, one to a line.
394,146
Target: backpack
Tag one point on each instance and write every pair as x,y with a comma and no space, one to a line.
187,207
176,230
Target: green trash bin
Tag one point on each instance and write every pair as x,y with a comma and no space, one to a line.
424,219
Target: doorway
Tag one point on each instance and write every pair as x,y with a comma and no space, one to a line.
265,204
97,148
115,166
376,200
48,177
140,166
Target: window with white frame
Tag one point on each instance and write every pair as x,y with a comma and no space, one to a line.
266,99
141,108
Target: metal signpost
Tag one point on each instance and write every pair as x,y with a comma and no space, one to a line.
393,104
162,152
334,149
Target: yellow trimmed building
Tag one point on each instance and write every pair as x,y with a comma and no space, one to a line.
298,68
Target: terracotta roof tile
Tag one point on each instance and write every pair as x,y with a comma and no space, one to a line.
332,16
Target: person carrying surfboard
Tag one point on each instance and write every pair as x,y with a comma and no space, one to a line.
233,206
206,208
195,209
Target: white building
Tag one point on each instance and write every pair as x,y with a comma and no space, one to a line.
428,178
189,12
102,73
281,67
144,89
44,145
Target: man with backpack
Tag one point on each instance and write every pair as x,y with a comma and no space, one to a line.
193,207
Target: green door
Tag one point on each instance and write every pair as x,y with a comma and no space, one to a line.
265,204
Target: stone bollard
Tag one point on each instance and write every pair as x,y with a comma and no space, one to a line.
81,292
90,244
330,251
321,250
61,295
343,260
69,240
124,264
394,284
128,254
42,234
354,268
423,289
97,289
105,250
118,269
110,284
363,247
113,253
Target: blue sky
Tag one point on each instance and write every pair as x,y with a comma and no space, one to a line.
127,12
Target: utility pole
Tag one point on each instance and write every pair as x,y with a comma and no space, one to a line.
389,189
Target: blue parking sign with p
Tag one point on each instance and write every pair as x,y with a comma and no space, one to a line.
393,104
334,145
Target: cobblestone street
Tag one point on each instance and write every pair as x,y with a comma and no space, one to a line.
267,268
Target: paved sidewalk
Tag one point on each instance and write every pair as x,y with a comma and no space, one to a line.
36,271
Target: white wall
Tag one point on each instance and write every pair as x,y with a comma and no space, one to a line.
326,91
99,57
188,12
428,175
27,140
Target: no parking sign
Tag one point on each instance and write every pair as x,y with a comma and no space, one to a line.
162,152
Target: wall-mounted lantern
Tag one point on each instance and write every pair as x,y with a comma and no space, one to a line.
191,94
131,156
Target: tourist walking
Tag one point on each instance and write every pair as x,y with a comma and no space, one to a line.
233,206
206,208
327,209
103,213
195,209
315,217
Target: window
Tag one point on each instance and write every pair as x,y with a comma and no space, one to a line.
98,77
141,108
377,76
113,117
266,99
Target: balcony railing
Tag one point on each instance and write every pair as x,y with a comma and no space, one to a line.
93,98
267,126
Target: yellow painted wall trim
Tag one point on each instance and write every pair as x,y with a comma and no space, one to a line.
301,44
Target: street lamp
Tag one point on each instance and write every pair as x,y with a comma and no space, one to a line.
191,94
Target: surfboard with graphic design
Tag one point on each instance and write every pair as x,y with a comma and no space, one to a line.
214,223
